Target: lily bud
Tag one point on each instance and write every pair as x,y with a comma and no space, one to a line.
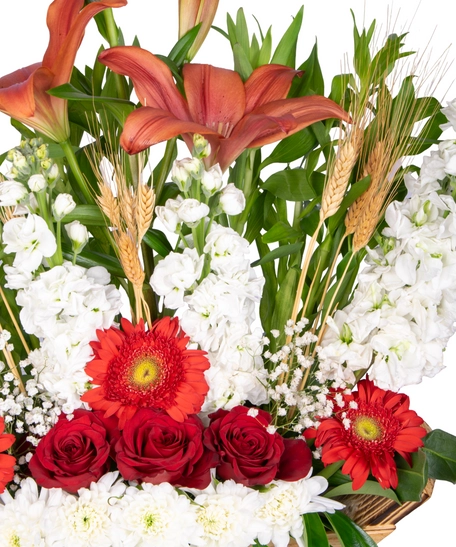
37,183
62,206
78,235
193,12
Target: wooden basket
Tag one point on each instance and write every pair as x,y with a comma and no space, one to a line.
376,515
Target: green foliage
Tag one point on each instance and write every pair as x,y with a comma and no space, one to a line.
440,451
349,533
372,488
412,480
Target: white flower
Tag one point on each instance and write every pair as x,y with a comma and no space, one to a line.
229,251
191,211
154,515
183,171
212,181
285,503
232,200
176,274
168,213
62,206
78,235
227,515
450,112
11,193
37,183
30,238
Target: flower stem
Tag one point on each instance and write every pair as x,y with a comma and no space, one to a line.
113,39
58,257
165,167
76,170
329,470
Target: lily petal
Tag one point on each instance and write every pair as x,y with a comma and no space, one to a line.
216,96
152,79
305,110
63,60
16,92
268,83
147,126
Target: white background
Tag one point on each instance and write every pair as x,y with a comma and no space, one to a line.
430,24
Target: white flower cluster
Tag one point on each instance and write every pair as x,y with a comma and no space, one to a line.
403,310
290,365
64,307
111,514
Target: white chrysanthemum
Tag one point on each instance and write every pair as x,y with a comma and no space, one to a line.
227,515
154,515
22,517
285,503
85,521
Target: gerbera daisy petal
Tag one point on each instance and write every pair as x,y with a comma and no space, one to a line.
147,369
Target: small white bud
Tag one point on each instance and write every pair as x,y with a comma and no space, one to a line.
78,234
62,206
232,200
211,181
37,183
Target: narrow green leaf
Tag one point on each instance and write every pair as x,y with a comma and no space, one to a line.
265,50
291,185
157,241
314,531
241,62
412,480
312,81
281,231
440,450
89,259
242,32
89,215
292,148
349,533
283,250
369,487
284,298
285,53
254,51
68,91
23,129
180,50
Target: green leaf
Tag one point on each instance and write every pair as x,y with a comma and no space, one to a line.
89,215
311,82
157,241
89,259
265,50
283,250
285,53
292,148
412,480
241,62
23,130
285,298
339,85
242,32
68,91
369,487
314,531
291,185
179,52
349,533
281,231
440,450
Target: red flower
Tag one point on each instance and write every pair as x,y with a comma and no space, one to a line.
379,424
249,453
231,115
23,93
155,448
135,368
7,462
72,454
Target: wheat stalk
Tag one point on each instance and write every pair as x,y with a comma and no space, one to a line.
145,203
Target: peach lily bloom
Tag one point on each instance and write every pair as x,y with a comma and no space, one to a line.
23,93
231,115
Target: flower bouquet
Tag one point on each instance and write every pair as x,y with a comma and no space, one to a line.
207,348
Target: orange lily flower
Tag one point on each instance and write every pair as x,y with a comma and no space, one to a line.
23,92
231,115
193,12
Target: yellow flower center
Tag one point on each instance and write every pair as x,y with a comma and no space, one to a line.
145,372
368,428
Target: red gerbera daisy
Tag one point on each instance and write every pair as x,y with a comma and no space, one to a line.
7,462
372,426
134,368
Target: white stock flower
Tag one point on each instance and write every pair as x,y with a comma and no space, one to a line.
62,206
11,193
450,112
212,180
183,171
232,200
30,238
229,251
154,515
191,211
78,235
16,278
37,183
176,274
168,213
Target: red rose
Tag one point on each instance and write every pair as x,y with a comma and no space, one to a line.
72,454
249,453
155,448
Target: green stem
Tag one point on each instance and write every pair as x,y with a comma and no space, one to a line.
113,39
166,163
41,198
58,254
329,470
76,170
241,219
